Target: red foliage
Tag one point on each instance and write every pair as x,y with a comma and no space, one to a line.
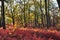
29,35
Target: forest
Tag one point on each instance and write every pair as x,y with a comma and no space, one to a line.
34,13
29,20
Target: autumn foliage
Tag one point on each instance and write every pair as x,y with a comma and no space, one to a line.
29,34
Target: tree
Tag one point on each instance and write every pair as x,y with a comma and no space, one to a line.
3,15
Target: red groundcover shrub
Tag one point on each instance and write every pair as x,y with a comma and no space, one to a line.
29,35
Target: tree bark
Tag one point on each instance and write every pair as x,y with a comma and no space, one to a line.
58,1
47,13
3,15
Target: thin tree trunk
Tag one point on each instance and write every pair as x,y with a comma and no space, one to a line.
24,16
35,13
13,18
0,22
29,14
41,13
47,14
49,20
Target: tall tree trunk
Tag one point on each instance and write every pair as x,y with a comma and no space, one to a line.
47,13
41,13
49,20
3,15
25,24
58,3
29,14
35,13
